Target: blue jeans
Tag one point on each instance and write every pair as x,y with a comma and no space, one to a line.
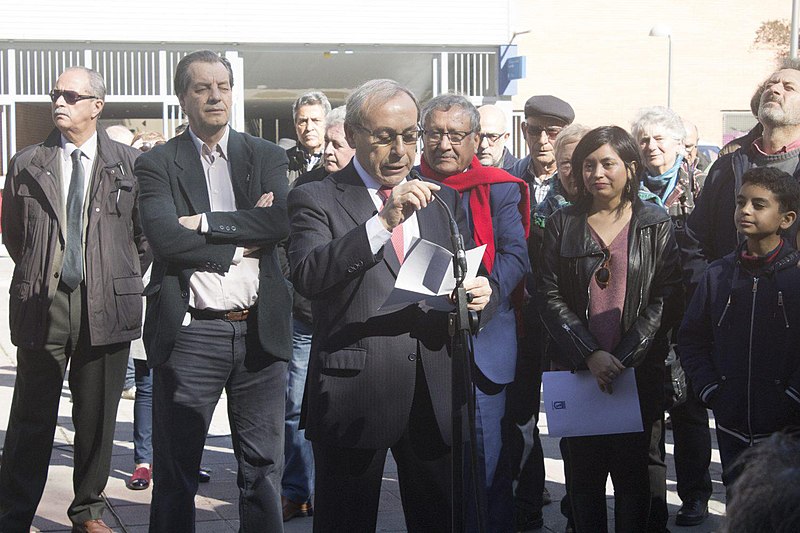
143,414
298,470
130,374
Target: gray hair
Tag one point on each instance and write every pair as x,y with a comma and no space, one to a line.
444,102
97,85
311,98
335,117
570,134
661,117
183,78
371,93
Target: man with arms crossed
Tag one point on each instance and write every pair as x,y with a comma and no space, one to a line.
218,308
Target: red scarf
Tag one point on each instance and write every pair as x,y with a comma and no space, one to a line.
479,180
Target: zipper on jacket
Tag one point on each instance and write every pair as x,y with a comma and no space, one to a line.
642,342
783,308
750,364
724,312
575,338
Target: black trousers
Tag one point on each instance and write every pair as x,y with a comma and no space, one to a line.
692,454
96,377
692,439
522,416
348,480
209,356
625,458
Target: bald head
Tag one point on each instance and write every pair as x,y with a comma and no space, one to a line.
690,141
494,135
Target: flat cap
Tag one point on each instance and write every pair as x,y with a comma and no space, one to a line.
545,105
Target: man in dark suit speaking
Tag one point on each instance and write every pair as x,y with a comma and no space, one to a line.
218,308
375,381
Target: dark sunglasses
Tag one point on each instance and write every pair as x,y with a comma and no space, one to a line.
552,131
70,97
603,274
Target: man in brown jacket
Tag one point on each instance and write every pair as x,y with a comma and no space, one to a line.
71,224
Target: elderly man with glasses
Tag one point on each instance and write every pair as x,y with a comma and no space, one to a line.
71,225
377,380
492,151
497,207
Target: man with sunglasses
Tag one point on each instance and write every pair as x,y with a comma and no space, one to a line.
377,379
545,117
71,225
497,207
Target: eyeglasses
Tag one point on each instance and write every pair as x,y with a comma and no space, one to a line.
70,97
552,131
491,137
387,137
455,137
603,274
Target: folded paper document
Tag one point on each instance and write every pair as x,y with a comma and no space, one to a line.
575,405
427,276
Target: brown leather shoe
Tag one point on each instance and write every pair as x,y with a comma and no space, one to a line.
92,526
293,509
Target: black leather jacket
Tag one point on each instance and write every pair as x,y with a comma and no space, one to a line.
569,259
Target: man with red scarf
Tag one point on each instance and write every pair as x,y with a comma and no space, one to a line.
497,207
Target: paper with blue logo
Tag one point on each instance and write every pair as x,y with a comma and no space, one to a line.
576,407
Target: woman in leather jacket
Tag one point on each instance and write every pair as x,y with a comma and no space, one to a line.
610,264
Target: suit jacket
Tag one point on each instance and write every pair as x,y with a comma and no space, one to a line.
173,184
34,229
363,367
495,346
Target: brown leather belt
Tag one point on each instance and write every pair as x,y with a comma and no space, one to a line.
230,316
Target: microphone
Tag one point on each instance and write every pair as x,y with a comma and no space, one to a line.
460,263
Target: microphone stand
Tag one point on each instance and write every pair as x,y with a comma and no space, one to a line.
462,390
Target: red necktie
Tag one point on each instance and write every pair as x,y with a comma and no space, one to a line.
397,233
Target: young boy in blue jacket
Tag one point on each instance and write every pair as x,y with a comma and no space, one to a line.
739,342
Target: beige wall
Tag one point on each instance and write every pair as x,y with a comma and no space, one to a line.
598,56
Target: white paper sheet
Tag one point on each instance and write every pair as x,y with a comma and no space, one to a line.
426,276
575,405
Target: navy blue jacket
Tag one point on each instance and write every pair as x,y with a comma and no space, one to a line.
739,345
495,346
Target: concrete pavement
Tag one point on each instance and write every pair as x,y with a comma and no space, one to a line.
217,508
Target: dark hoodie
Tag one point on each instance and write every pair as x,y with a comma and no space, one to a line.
739,343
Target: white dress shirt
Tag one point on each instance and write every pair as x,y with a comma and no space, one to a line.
89,150
88,157
378,235
237,288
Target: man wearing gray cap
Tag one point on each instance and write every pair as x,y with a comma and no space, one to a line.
545,117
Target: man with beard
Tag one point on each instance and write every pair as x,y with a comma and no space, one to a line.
711,222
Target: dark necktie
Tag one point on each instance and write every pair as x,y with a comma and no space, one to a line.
72,270
397,233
